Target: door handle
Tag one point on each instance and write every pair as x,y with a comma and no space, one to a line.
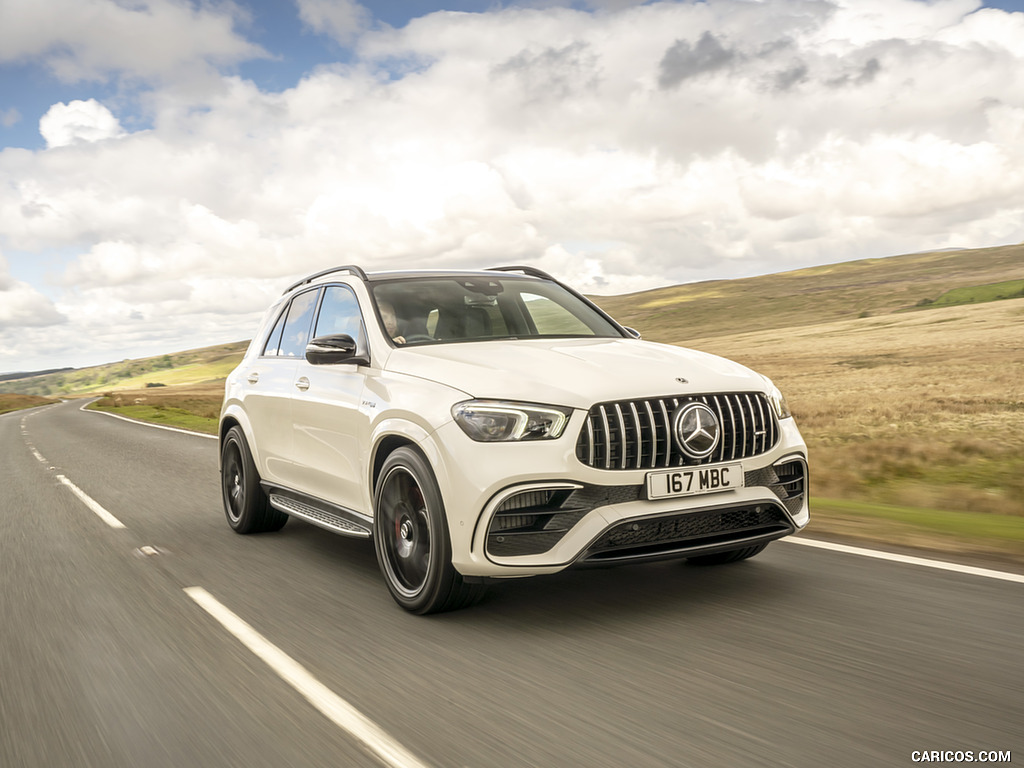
302,384
253,377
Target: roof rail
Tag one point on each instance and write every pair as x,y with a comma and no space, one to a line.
350,268
531,271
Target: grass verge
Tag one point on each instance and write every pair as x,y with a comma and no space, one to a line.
940,531
168,416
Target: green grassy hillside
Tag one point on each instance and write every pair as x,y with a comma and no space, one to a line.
179,368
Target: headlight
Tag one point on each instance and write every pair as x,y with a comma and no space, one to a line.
777,400
492,421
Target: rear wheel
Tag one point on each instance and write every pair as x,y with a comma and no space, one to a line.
733,555
410,535
245,504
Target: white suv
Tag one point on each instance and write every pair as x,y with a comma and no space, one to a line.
491,424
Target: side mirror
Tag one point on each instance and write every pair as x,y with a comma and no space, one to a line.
632,332
334,349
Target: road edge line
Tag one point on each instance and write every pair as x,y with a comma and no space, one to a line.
924,562
332,706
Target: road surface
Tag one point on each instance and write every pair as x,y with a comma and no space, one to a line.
109,656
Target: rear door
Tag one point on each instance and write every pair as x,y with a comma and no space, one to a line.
269,383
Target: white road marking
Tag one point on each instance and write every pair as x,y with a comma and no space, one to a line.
335,708
909,559
38,455
101,513
83,409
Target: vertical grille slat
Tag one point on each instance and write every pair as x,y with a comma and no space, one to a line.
762,427
623,438
721,420
654,433
732,432
590,442
637,434
743,419
668,432
607,438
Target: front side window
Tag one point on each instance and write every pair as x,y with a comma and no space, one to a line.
448,309
339,313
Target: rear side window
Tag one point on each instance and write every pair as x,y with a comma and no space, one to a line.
294,334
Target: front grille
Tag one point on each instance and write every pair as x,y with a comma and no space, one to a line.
637,434
684,531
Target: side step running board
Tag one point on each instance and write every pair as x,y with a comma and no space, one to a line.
335,520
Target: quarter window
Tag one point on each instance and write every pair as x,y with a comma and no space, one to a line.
273,346
296,327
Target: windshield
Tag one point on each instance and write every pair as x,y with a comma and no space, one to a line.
446,309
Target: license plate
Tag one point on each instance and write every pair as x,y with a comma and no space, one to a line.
693,481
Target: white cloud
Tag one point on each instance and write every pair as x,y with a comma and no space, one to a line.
78,122
21,305
341,20
9,117
621,150
82,40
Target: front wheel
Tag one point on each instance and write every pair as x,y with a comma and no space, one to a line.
245,504
733,555
410,536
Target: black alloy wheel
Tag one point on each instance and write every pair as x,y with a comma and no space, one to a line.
245,504
410,534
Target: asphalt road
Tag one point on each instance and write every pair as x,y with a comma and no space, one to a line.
799,657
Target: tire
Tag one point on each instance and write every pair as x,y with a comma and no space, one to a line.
732,556
245,504
410,537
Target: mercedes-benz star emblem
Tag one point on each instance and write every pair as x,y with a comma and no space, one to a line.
697,430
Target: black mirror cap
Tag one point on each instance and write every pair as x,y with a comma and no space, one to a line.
334,349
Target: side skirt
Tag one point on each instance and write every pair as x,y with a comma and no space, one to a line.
333,518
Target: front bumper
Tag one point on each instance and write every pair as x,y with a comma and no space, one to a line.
529,509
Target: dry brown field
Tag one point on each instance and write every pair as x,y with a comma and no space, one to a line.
922,409
10,402
203,399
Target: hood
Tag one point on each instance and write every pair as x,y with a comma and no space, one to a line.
573,372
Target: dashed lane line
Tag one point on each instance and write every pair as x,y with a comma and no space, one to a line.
100,512
85,498
332,706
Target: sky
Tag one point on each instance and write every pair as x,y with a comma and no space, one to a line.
168,167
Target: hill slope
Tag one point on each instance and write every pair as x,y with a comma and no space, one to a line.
810,296
189,367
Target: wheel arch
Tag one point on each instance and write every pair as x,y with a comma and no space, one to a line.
234,416
394,433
